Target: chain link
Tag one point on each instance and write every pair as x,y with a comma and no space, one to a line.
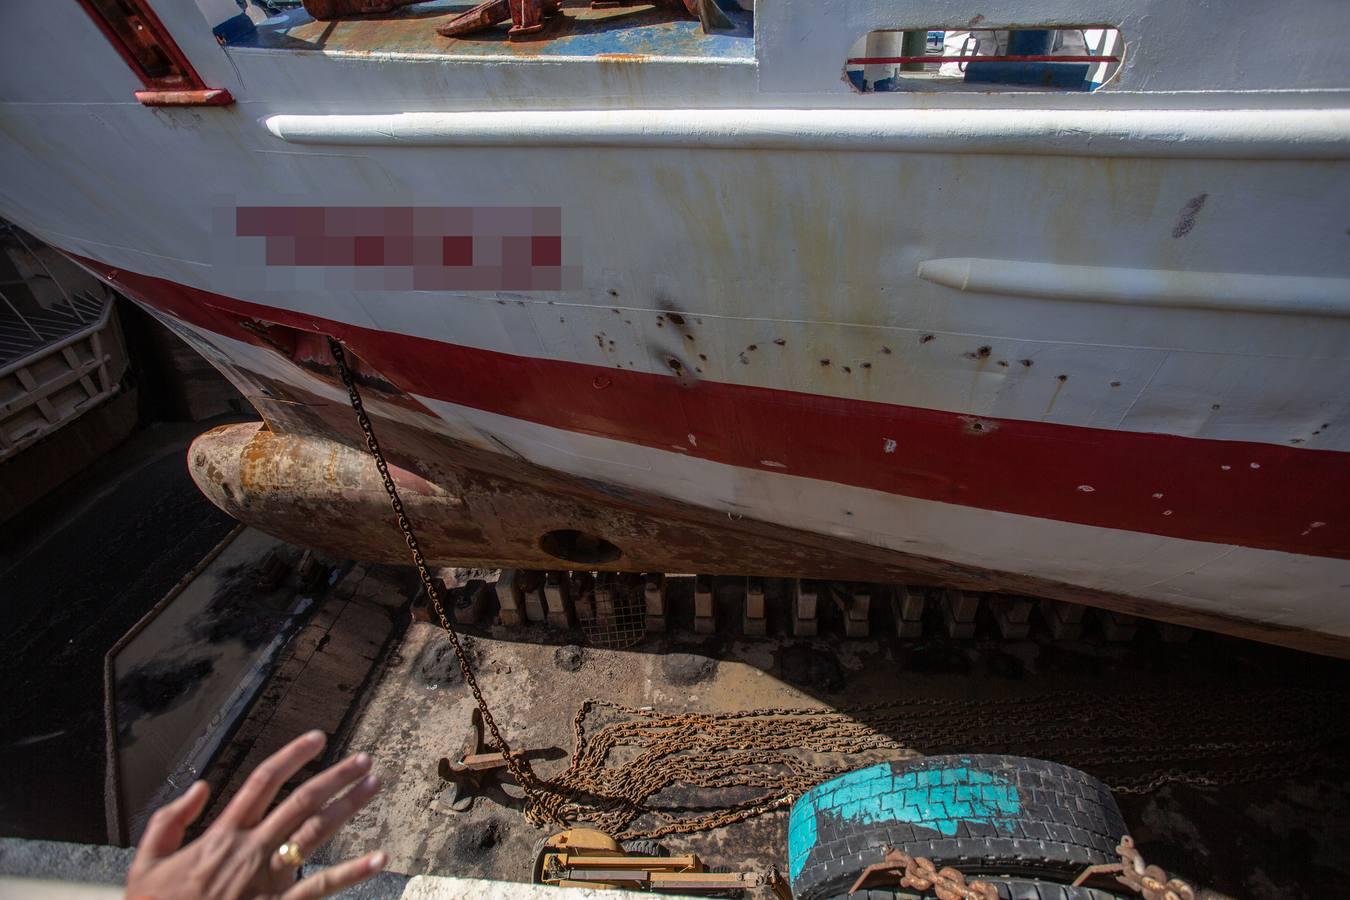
922,874
519,767
1151,882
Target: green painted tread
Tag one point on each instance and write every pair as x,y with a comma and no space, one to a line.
1048,824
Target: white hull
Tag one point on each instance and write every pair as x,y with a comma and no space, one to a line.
1136,262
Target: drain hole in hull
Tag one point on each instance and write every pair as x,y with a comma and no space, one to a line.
579,547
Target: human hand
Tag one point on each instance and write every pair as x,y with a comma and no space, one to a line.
237,857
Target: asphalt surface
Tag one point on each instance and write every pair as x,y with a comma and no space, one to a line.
98,556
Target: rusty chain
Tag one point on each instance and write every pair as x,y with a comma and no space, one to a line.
921,874
1149,882
945,883
519,767
761,749
754,748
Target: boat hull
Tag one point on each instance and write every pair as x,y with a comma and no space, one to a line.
486,510
477,498
1096,342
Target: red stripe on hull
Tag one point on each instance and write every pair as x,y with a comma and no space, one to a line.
1229,492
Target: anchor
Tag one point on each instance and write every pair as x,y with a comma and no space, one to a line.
527,17
532,16
478,768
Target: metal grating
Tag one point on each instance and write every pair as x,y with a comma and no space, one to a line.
24,334
61,351
611,610
37,309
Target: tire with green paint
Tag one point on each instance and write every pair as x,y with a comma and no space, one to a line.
985,815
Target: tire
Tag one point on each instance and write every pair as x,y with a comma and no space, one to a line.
727,895
1008,889
1023,819
644,847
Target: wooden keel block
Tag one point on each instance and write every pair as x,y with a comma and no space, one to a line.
510,594
959,609
855,605
754,621
1174,634
558,600
804,601
705,620
510,598
860,603
469,602
907,606
604,598
1065,620
532,595
1117,626
654,595
1013,615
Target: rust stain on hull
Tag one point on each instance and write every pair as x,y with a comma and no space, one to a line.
473,507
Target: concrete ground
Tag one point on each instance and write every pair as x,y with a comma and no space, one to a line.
1279,836
191,667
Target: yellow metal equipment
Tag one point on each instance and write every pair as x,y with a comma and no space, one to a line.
585,857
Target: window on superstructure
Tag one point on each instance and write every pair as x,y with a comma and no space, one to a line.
1081,58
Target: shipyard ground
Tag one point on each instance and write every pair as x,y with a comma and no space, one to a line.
360,668
1283,837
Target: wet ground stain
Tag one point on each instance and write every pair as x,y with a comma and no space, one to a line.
157,687
235,614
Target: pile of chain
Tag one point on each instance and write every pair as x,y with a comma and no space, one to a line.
1136,743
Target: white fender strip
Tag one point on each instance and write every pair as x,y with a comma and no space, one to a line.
1228,134
1280,294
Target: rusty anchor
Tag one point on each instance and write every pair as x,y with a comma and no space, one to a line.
527,17
708,12
478,767
328,10
530,17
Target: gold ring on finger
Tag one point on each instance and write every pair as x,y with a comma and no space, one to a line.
290,854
